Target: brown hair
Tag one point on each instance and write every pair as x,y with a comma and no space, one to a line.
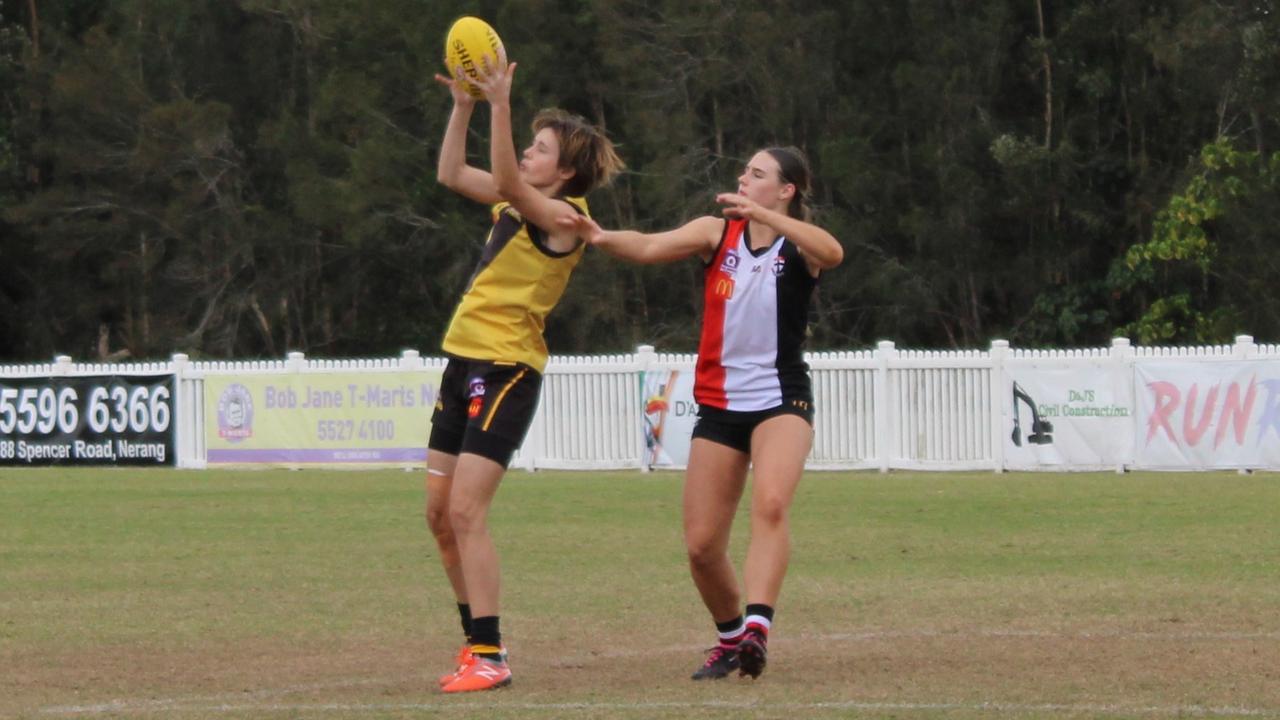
583,148
793,167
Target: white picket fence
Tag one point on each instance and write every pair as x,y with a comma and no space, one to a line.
878,409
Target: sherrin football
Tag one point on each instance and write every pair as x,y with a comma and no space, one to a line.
470,39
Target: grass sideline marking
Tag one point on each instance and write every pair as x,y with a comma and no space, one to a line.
998,707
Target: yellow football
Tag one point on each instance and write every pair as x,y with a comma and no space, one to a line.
468,41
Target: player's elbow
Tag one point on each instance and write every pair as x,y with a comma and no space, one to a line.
830,255
510,187
651,252
836,256
447,178
510,191
647,255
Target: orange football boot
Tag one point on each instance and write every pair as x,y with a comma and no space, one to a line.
461,661
481,674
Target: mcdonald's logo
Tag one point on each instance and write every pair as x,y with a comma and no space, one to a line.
723,288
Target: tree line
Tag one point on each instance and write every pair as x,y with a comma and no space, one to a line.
242,178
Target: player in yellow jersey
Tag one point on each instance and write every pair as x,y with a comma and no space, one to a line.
494,342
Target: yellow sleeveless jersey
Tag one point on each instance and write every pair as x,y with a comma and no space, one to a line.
518,281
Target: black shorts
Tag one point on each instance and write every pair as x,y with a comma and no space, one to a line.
733,428
484,408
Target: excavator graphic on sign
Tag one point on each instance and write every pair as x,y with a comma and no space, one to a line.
1040,428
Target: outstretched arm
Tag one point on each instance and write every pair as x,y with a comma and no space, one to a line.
452,171
697,237
542,211
820,248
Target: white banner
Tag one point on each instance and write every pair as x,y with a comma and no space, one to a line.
669,415
1059,415
1195,414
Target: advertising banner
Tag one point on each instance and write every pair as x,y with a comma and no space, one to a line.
324,419
669,414
1196,415
1067,416
99,420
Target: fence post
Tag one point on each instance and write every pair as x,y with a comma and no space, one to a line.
184,410
410,360
884,352
999,354
62,365
1245,348
296,361
1121,358
644,362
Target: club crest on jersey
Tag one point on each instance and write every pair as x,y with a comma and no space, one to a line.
779,264
730,264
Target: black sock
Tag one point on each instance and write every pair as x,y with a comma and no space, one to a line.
729,625
464,612
730,632
485,634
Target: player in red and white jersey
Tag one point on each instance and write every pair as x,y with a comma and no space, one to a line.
761,263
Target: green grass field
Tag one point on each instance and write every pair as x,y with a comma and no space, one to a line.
173,594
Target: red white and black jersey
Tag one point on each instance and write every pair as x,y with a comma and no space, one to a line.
755,312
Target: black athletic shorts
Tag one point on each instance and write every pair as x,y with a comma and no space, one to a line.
484,408
733,428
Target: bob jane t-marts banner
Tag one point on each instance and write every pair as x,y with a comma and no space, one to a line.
320,419
97,420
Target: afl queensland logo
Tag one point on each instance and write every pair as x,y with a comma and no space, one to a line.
730,264
476,393
235,413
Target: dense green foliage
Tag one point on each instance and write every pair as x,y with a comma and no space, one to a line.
239,178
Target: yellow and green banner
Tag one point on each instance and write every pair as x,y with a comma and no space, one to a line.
323,419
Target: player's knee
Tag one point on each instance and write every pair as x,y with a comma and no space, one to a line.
703,552
438,521
465,519
769,511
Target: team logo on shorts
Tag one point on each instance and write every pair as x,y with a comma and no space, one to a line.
476,392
